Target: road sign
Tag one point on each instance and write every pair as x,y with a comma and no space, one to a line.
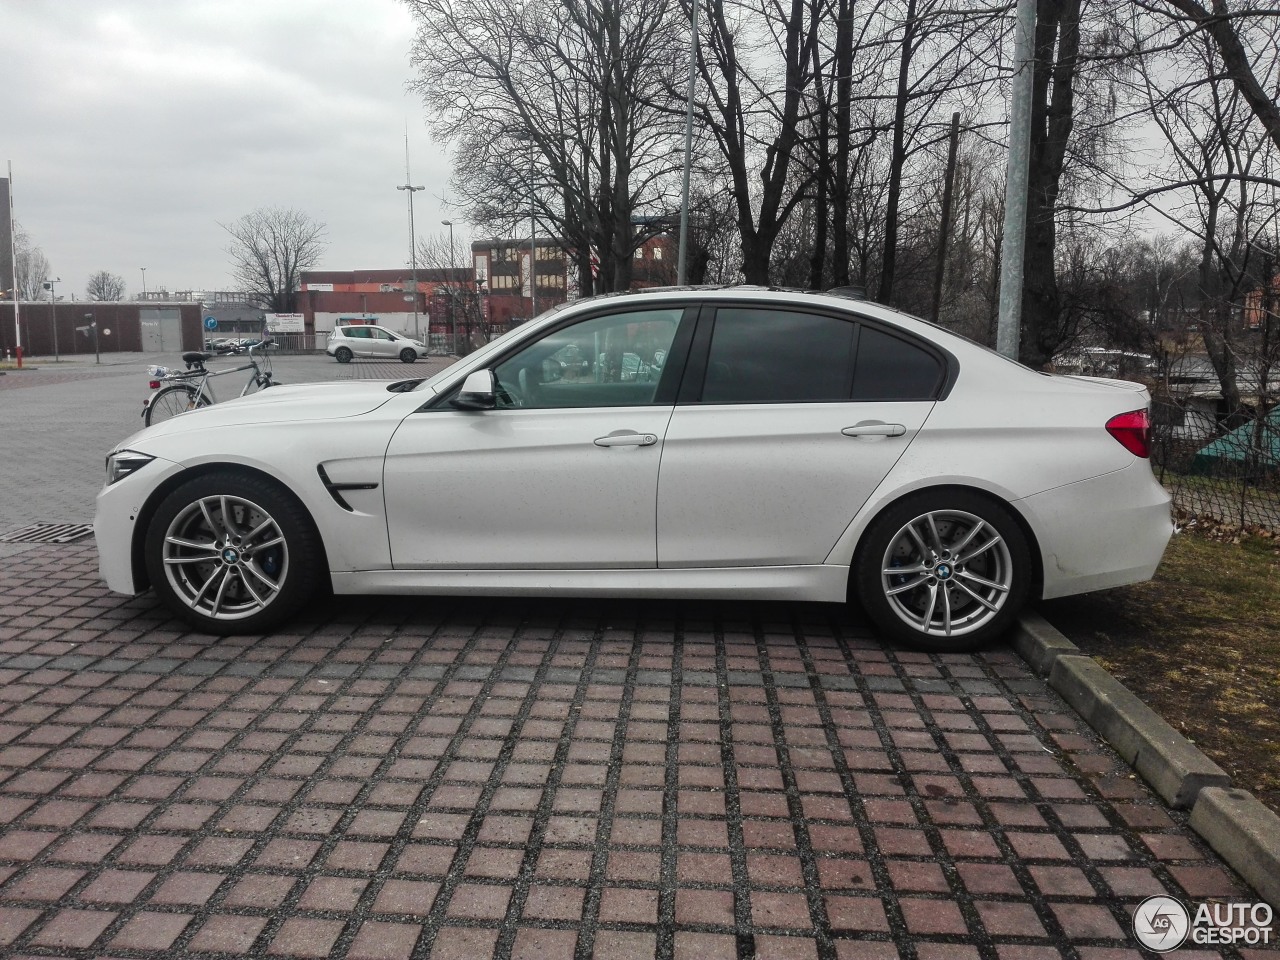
211,323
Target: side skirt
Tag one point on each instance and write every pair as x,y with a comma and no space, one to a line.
821,583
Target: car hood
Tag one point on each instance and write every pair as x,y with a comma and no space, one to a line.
293,403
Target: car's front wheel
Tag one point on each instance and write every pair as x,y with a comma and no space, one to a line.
230,552
408,355
943,570
342,354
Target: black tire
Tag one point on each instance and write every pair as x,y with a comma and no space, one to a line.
233,553
965,570
342,354
171,401
408,355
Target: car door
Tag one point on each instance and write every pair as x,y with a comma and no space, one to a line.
382,344
775,445
563,474
357,338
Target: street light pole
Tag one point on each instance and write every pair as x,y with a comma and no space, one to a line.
533,244
413,236
453,305
53,314
144,282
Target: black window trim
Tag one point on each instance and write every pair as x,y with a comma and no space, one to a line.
699,354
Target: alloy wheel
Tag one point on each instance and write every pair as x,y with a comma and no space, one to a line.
225,557
947,573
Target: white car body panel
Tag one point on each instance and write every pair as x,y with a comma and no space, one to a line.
723,462
524,488
681,516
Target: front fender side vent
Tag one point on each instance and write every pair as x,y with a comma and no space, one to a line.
335,489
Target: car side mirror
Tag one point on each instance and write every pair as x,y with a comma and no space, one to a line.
479,392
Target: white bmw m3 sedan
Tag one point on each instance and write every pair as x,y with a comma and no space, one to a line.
704,443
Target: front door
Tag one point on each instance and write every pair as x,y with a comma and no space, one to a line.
562,475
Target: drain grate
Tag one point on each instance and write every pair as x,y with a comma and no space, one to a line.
49,533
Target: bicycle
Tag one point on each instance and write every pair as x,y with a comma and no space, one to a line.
177,391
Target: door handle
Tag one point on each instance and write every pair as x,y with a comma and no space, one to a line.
874,428
627,440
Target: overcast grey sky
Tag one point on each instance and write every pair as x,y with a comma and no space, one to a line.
135,127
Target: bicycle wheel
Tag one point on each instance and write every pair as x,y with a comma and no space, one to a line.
172,401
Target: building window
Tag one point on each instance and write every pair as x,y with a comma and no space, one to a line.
502,281
657,253
639,253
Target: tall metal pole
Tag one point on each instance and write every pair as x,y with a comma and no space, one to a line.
53,315
413,236
682,273
533,245
144,282
1016,180
455,287
13,259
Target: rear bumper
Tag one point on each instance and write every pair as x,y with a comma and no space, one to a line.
1105,532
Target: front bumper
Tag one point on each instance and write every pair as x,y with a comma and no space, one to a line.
115,522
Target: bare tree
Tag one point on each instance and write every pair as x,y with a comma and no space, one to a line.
269,250
559,107
31,266
104,285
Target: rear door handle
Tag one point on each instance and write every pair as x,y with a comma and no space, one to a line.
627,440
874,428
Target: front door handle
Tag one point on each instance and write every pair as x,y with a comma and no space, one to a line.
874,428
627,440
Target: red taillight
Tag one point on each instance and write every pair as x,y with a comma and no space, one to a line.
1133,430
154,384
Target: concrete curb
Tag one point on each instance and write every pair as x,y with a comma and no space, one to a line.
1235,824
1245,834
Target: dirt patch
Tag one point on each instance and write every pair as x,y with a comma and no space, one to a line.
1201,645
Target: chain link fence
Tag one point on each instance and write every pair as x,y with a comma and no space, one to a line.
1223,468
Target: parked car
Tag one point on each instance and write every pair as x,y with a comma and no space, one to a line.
368,340
761,444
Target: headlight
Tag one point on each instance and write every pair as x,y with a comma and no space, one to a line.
124,462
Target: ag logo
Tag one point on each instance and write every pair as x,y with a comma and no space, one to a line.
1161,924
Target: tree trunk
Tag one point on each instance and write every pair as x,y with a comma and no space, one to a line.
1052,118
898,158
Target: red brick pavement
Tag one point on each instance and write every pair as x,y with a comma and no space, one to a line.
395,778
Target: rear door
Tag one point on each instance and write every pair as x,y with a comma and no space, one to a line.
777,442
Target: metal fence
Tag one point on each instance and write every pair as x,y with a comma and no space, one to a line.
1223,468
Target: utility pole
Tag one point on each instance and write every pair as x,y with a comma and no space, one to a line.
13,261
53,315
1008,329
456,289
413,236
682,269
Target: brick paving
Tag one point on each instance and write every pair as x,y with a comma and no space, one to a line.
396,778
391,778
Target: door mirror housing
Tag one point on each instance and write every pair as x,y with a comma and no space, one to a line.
478,392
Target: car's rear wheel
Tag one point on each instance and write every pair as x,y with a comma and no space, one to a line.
943,570
408,355
342,354
230,552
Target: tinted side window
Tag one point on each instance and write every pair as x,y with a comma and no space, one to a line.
773,356
892,369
